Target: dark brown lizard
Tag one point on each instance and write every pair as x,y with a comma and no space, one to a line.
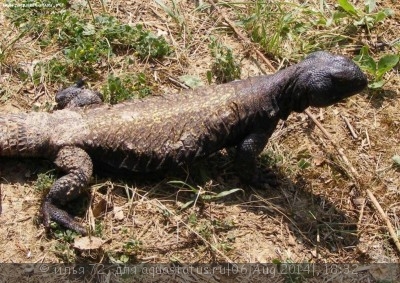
170,130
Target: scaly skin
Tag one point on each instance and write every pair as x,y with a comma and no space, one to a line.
170,130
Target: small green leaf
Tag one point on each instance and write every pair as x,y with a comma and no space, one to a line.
380,16
348,7
191,81
124,258
183,184
339,15
303,164
376,84
226,193
366,62
386,63
396,159
276,261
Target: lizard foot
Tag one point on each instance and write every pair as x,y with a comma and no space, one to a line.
264,179
51,212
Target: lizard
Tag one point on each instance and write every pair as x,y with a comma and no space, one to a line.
170,130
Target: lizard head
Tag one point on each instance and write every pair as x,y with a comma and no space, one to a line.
326,79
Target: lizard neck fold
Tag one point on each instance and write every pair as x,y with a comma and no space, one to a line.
284,93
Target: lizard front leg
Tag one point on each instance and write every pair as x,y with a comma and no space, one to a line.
78,166
246,159
77,96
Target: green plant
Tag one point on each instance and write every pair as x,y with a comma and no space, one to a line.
98,228
377,69
85,42
63,247
369,18
67,236
44,182
65,252
201,195
132,247
289,30
225,68
119,89
285,29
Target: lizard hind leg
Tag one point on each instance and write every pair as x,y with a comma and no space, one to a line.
78,166
77,96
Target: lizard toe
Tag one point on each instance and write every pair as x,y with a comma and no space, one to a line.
51,212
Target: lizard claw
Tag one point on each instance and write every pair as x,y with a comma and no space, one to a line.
265,179
51,212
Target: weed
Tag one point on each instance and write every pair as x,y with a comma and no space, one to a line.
132,247
148,45
98,228
225,246
67,236
288,30
56,70
64,252
85,43
280,28
63,248
377,69
117,258
192,219
224,225
225,68
270,158
303,163
369,18
205,230
120,89
44,182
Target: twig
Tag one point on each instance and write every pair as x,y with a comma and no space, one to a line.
353,133
389,226
178,83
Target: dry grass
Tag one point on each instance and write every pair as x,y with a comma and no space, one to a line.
317,214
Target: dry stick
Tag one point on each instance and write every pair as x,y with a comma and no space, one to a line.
384,216
355,176
353,133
